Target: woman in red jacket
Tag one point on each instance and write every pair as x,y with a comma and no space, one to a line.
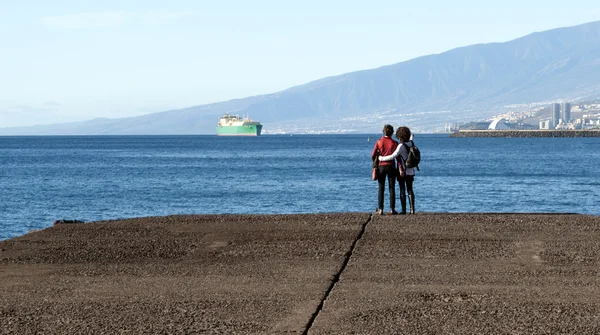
383,147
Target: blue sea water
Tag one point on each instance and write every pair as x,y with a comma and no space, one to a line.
43,179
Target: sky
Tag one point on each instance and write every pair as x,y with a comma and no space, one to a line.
64,61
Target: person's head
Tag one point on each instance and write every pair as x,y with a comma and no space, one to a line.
388,130
403,134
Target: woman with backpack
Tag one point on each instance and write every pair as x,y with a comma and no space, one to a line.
386,146
406,175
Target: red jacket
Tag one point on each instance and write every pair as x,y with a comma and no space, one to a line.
384,146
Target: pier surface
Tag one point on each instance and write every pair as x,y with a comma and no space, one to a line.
311,274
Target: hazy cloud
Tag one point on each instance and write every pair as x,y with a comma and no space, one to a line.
26,115
51,104
86,20
109,19
46,108
159,17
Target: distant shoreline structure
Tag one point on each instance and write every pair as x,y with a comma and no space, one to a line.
527,133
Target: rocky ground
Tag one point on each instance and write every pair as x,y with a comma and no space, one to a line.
316,274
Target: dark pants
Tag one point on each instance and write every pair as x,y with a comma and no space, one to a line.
390,172
406,186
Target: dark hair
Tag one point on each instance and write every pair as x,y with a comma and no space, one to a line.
403,134
388,130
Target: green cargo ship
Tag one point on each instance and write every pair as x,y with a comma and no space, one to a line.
233,125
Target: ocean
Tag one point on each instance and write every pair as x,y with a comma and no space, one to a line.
89,178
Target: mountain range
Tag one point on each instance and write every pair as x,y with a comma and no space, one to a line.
424,93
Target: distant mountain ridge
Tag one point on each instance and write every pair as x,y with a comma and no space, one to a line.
424,92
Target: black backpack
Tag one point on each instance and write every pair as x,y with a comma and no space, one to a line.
414,157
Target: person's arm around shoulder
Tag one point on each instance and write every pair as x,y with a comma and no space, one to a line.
392,156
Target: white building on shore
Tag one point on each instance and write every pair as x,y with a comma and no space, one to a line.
546,124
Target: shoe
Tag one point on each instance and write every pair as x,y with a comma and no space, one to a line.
379,211
393,212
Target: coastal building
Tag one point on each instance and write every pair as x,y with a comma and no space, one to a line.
566,112
589,122
545,124
555,115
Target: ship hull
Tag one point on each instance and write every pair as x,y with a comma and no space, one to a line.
245,130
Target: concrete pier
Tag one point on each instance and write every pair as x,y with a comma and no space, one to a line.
306,274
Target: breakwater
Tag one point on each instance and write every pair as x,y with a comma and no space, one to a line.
526,133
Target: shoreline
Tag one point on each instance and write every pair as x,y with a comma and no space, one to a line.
526,133
306,273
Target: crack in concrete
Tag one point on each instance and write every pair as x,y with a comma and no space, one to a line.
336,277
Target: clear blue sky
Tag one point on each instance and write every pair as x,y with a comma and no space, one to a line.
79,59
